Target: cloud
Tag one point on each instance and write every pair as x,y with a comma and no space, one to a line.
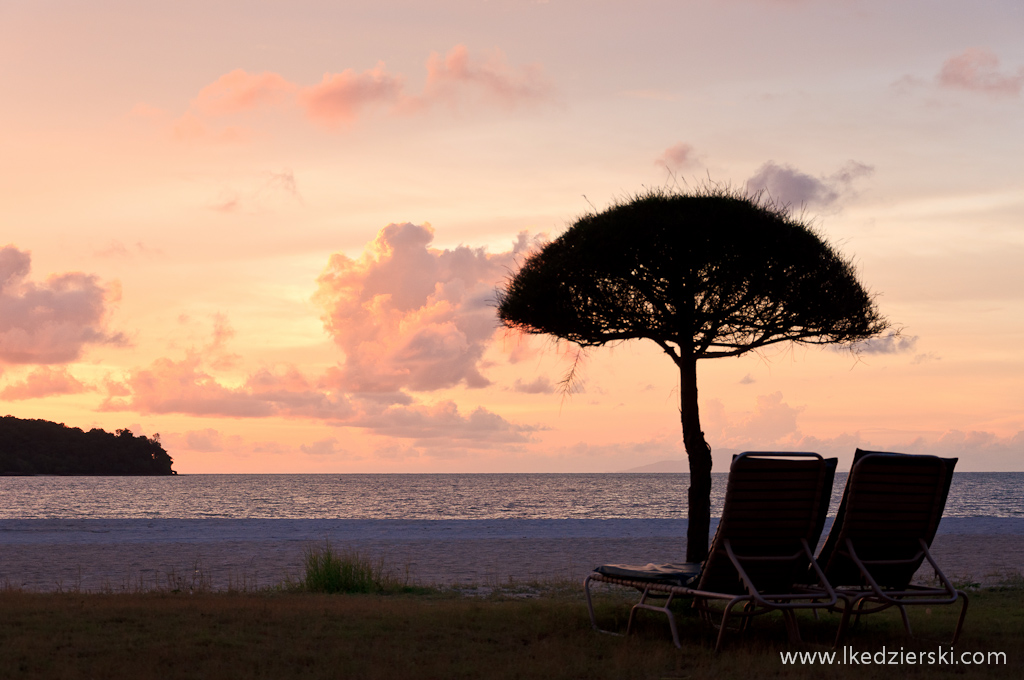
204,440
44,382
677,157
239,91
442,424
340,99
185,386
216,352
926,357
169,386
772,420
890,343
976,69
117,249
787,185
977,450
541,385
323,447
457,75
409,316
51,322
772,423
273,190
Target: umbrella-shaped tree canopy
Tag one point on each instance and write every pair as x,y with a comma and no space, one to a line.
706,274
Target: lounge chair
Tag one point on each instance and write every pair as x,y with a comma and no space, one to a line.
774,512
886,522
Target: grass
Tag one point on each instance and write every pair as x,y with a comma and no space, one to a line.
331,571
540,631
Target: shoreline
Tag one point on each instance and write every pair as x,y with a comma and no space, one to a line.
95,555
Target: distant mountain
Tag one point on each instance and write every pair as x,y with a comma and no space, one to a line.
41,447
663,466
720,460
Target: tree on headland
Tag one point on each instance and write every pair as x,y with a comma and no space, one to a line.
704,274
41,447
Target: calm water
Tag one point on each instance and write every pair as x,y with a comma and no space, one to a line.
418,497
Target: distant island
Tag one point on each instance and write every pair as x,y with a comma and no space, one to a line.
721,462
41,447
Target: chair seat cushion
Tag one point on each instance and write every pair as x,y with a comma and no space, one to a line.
676,574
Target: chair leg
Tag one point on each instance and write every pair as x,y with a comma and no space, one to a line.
672,622
590,608
632,612
725,618
792,629
860,605
963,615
906,620
844,622
590,604
747,608
642,604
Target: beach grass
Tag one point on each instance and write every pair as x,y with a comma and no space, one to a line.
525,631
327,570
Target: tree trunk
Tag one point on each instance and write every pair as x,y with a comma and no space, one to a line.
699,454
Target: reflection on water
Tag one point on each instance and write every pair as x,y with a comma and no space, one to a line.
447,496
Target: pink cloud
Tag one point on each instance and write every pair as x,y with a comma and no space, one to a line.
52,322
323,447
441,424
540,385
977,69
44,382
677,157
410,316
339,97
168,386
204,440
240,91
493,78
772,423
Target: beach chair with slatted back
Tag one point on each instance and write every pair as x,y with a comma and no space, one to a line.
882,534
774,512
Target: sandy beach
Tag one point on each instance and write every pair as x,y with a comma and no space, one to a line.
93,555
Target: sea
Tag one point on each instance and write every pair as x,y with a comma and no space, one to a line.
94,533
609,496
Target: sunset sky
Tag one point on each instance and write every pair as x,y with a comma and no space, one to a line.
271,231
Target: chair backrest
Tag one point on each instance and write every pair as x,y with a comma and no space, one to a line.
892,501
772,501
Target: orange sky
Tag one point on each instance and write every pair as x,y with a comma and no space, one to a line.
271,232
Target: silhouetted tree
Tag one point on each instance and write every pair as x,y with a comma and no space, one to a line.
705,274
41,447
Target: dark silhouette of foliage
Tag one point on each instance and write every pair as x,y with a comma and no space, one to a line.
705,274
41,447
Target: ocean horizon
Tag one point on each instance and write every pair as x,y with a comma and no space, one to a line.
441,496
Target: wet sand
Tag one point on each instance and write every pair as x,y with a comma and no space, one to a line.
95,555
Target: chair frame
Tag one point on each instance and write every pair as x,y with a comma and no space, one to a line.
754,601
870,591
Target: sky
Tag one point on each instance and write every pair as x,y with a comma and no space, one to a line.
271,232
